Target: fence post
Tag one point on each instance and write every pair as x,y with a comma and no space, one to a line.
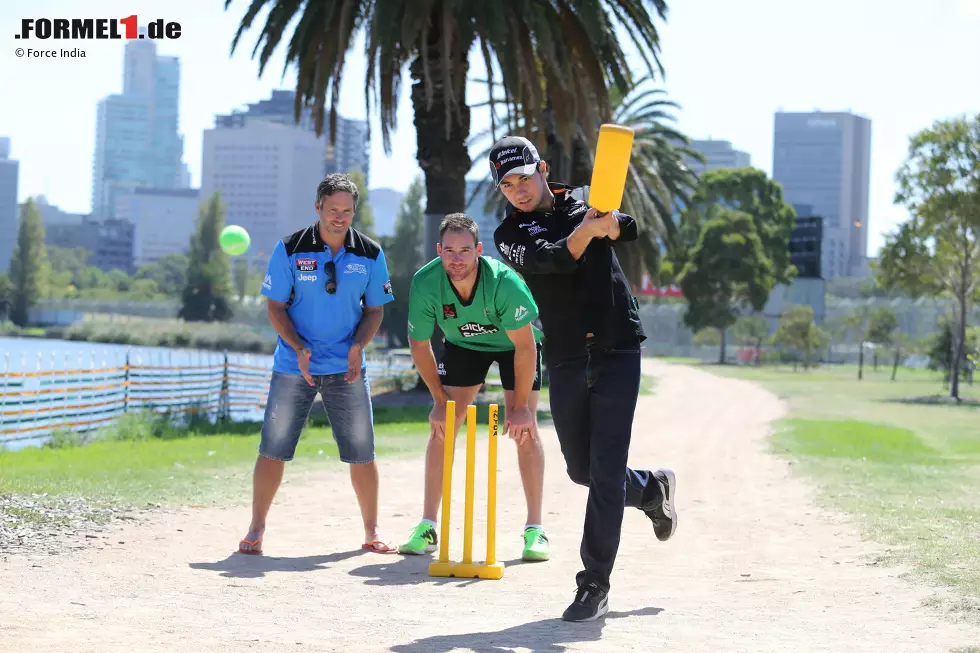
224,414
126,384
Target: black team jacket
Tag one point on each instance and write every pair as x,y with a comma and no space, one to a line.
575,298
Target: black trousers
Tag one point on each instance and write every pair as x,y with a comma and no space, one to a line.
593,400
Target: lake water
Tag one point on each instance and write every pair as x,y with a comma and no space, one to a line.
40,354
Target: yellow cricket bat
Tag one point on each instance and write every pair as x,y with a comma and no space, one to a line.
612,160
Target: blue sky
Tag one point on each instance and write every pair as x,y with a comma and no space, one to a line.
731,65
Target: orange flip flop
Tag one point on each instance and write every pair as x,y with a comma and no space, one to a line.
253,544
377,546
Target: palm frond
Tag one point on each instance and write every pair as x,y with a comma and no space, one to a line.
554,60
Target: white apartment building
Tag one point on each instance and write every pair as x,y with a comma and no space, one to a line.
267,175
163,220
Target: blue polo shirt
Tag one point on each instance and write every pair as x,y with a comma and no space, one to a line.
298,274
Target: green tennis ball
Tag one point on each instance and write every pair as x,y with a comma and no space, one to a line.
234,240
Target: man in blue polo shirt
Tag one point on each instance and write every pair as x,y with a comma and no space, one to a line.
326,286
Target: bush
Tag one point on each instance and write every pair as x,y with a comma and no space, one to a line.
148,332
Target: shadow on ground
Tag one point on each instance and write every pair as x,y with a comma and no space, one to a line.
239,565
413,570
545,636
934,400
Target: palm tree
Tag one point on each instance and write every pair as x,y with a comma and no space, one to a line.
566,51
658,183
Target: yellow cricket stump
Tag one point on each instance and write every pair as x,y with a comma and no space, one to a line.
444,567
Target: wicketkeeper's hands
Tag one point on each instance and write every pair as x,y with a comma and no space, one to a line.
519,425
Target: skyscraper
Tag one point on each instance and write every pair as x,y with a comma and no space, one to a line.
9,173
267,174
351,151
718,155
823,162
137,142
486,221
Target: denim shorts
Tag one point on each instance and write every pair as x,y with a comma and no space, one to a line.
348,407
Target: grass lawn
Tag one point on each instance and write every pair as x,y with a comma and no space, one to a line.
204,465
906,466
145,464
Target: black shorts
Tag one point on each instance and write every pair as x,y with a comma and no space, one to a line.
461,367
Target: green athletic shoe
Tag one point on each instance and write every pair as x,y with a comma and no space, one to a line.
423,540
535,545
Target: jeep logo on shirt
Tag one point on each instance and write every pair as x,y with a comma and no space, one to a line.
471,329
306,264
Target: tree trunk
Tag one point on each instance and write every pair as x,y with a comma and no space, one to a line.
895,364
860,361
958,344
443,157
874,359
721,352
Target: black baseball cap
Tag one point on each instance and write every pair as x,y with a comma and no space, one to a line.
513,155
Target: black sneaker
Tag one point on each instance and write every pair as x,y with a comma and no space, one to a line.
664,516
590,603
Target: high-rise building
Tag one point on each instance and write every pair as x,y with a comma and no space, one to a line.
718,155
137,139
823,162
485,219
385,204
267,175
351,151
9,183
163,220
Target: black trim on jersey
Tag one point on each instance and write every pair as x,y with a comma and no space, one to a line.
476,284
308,241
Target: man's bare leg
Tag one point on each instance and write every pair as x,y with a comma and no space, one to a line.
265,483
364,478
435,450
530,460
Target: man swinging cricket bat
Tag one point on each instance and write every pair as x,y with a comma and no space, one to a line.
566,252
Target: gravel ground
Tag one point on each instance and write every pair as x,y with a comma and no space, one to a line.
39,523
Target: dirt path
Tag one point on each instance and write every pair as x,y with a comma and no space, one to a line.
753,566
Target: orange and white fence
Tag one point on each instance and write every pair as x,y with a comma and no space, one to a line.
74,396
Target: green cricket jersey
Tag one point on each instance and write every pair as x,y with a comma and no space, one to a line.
501,302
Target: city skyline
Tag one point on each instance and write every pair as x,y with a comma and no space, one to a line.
53,142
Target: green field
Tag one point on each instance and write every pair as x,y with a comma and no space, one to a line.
144,462
905,464
148,464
